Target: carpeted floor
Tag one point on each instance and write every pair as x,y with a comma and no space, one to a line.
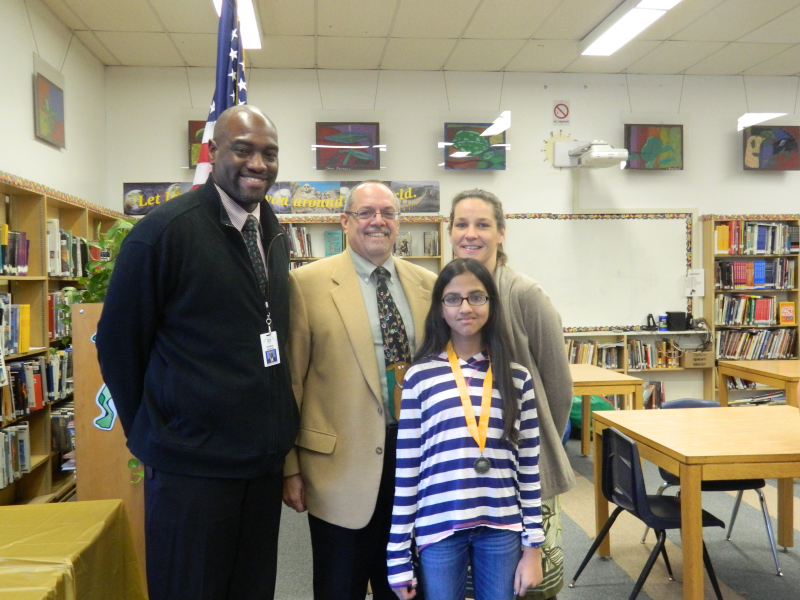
743,565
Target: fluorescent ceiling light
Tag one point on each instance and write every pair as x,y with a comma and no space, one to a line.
248,25
622,25
748,119
500,124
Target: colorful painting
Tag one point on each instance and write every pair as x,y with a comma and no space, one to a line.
771,148
48,106
466,149
654,147
196,130
348,146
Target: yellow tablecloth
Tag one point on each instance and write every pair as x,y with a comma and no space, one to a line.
68,551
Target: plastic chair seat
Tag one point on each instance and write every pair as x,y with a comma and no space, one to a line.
727,485
666,514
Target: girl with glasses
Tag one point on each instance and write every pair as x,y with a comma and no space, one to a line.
467,477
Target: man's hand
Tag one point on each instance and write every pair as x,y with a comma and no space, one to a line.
529,570
405,592
294,492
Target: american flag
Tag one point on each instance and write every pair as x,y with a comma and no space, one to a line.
231,87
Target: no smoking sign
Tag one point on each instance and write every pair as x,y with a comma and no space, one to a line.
561,112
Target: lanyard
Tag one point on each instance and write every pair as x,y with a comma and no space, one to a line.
478,431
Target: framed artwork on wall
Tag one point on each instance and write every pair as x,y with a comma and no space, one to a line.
771,148
466,149
48,111
348,146
654,147
196,130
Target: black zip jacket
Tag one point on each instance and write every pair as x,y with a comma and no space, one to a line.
179,346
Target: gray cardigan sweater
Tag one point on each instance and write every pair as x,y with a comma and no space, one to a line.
534,326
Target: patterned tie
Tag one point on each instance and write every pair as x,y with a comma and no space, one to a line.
395,341
250,234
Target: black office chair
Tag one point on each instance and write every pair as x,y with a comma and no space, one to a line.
623,484
733,485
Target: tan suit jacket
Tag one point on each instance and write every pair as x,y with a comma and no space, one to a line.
335,376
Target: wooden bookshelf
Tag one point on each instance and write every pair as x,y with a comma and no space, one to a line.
731,276
26,207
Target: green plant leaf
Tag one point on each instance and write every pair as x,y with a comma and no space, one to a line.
347,137
470,141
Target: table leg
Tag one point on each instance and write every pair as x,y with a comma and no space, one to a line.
791,393
692,533
722,391
600,502
586,423
786,512
638,397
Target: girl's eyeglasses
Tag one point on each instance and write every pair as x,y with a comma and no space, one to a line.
454,300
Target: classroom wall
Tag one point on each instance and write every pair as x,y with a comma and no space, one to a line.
149,108
80,169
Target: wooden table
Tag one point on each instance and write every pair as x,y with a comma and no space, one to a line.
588,380
782,374
708,444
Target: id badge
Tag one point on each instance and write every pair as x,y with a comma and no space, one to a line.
269,349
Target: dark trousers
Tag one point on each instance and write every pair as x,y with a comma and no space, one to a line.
345,559
211,539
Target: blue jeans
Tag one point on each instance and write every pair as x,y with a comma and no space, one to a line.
493,553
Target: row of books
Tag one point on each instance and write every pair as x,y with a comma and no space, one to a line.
299,241
771,398
15,453
14,248
755,344
654,394
653,355
743,309
404,245
68,255
16,326
752,237
609,355
58,325
34,382
776,274
62,429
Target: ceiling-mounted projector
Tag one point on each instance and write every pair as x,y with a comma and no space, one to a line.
595,154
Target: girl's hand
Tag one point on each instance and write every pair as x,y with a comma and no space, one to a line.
405,592
529,570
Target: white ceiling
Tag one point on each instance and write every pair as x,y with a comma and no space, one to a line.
697,37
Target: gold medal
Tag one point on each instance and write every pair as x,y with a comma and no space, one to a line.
482,465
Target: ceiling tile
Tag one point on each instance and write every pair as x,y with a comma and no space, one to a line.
355,18
785,63
732,19
482,55
735,58
616,63
544,56
509,19
426,19
678,18
135,49
197,49
65,13
405,54
187,16
102,15
284,52
286,17
96,47
349,52
785,28
575,19
670,58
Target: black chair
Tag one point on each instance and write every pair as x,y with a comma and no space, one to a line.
733,485
623,484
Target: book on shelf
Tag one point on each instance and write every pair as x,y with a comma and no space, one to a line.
786,312
653,394
431,243
749,344
402,246
334,242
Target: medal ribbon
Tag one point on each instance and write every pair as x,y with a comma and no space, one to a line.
478,431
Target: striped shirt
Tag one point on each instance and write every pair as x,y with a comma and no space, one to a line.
437,490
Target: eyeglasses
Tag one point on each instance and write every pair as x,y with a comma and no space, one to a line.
454,300
367,214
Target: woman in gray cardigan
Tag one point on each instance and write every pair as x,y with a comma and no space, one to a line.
477,230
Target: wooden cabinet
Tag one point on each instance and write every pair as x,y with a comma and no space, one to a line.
751,271
26,208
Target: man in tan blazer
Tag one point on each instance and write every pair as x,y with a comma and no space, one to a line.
342,467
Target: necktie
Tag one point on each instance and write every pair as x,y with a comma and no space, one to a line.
250,234
395,341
